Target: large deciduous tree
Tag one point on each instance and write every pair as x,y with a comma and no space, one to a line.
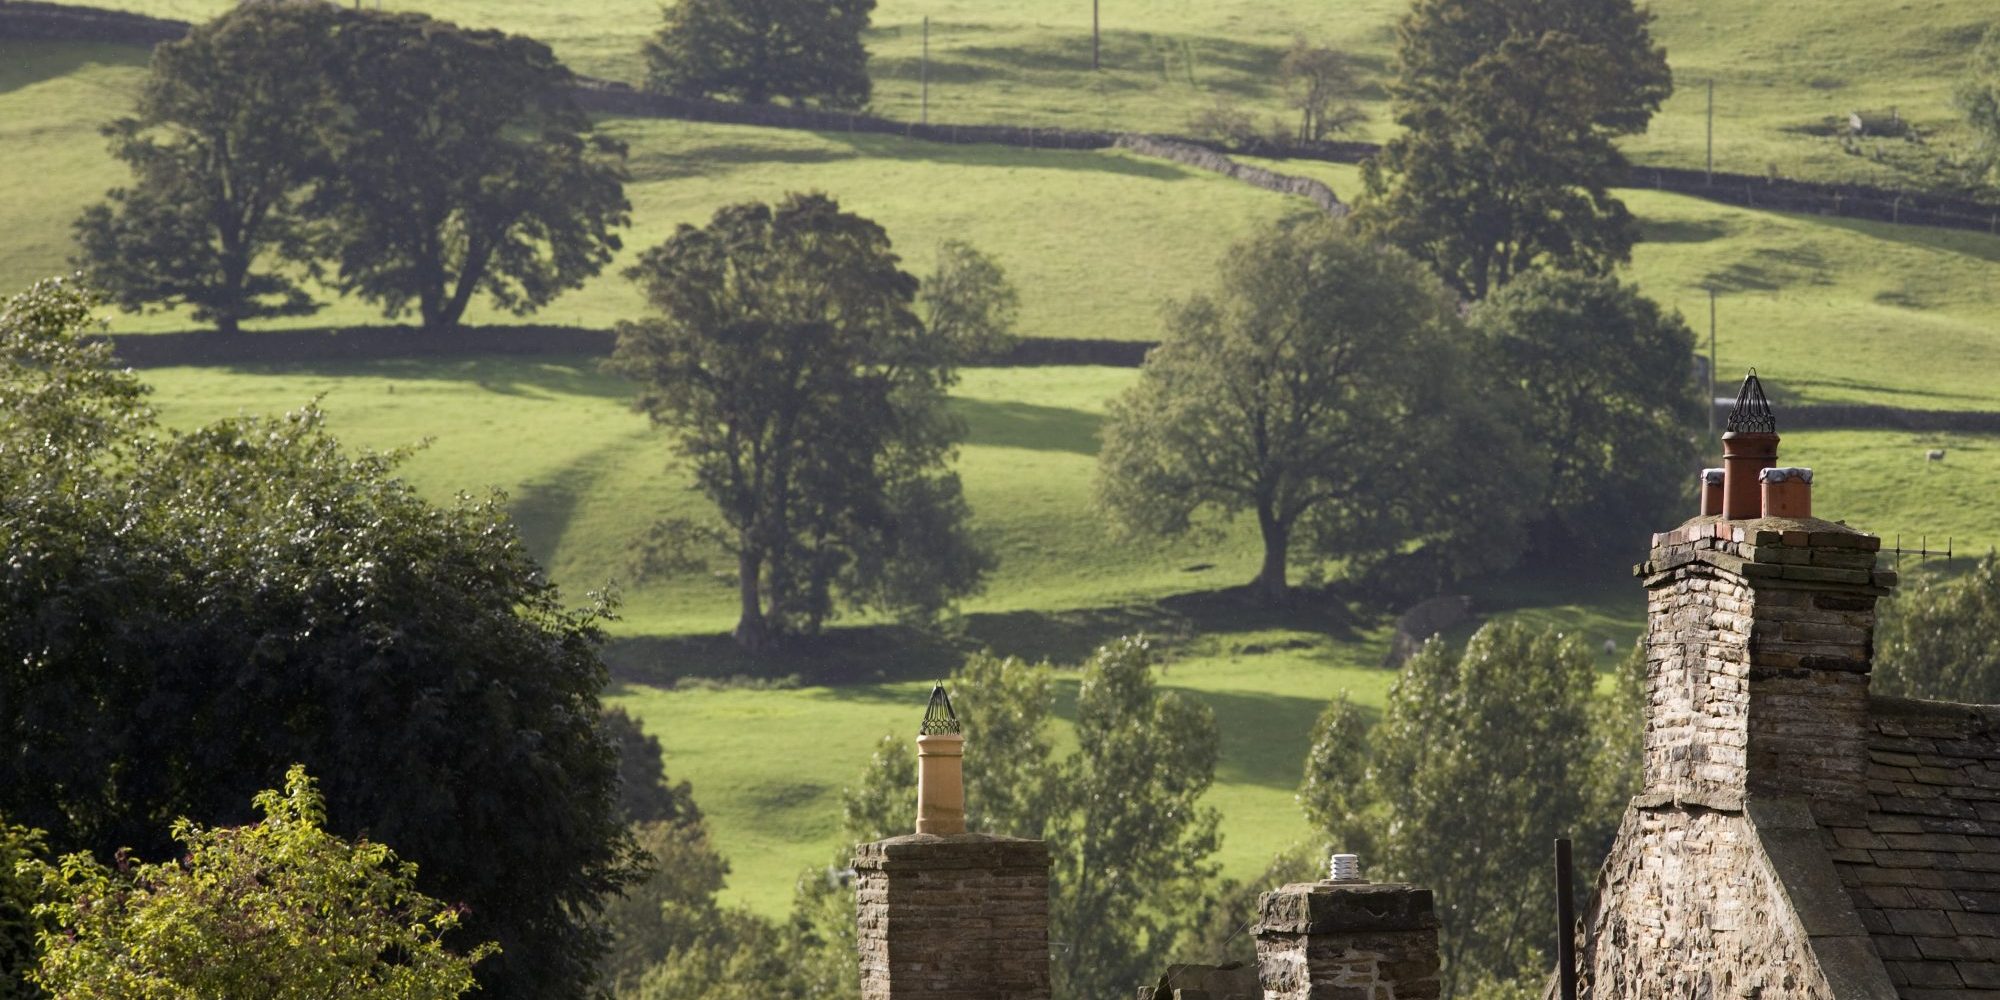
219,147
1329,389
1509,110
186,613
1612,402
456,162
280,908
758,51
1479,761
808,399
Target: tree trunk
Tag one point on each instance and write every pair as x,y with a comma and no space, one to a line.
753,632
1270,582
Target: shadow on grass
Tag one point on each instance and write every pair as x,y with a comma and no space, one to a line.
868,654
889,147
710,160
25,63
503,376
999,424
1682,230
1957,242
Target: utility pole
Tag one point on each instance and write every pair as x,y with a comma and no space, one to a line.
1711,362
1711,130
1095,64
924,114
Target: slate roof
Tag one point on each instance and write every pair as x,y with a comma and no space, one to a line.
1922,863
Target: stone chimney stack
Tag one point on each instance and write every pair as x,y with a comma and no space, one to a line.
943,913
1346,937
1760,638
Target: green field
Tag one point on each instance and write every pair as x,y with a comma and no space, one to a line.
1828,310
585,474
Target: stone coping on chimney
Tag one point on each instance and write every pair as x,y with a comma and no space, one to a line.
1345,907
1777,552
921,851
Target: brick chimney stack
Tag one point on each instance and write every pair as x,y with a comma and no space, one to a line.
1760,638
943,914
1346,937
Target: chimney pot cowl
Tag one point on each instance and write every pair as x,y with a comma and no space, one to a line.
1711,477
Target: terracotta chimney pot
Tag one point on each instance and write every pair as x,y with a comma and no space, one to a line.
1787,492
1711,492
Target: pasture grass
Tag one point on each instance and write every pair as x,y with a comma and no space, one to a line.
583,473
1782,68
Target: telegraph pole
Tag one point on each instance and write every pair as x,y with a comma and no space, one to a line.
1095,64
1711,362
924,115
1711,132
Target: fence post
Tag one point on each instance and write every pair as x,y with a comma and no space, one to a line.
1896,211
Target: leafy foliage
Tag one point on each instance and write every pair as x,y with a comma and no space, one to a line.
185,612
1330,389
644,796
280,908
219,149
1939,639
758,51
1979,98
968,301
401,159
1509,110
458,163
1321,82
1129,842
809,400
1612,403
1480,760
21,851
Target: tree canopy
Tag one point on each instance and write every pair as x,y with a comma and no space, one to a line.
1940,637
1328,388
458,164
278,909
807,397
1612,402
1130,844
1506,161
758,51
220,147
1979,97
395,157
187,612
1478,762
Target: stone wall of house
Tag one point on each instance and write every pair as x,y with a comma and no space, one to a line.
1689,908
953,917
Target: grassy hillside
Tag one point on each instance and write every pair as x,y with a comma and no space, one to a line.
1780,66
1828,310
585,475
1093,239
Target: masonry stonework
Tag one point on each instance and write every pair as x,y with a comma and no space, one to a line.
1759,639
963,917
1347,941
1687,912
